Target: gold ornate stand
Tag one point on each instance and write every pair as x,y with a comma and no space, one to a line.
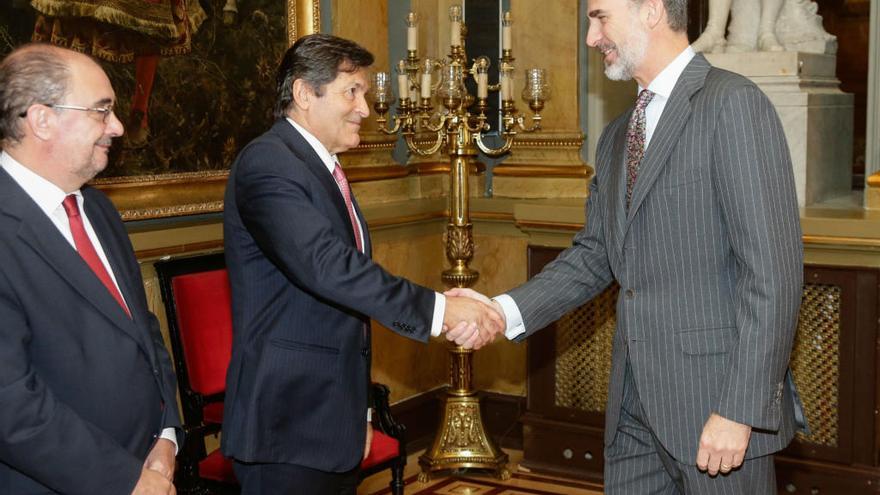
461,441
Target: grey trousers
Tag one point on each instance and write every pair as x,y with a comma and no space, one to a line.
637,463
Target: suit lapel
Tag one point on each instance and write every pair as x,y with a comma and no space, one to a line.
675,115
368,245
43,237
617,186
302,149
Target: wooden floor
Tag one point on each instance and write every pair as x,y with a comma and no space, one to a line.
521,482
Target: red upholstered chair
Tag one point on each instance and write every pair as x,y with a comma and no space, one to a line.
198,306
197,300
388,449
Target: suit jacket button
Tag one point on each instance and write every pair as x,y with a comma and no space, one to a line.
155,371
629,293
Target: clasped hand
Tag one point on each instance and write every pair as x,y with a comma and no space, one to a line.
472,320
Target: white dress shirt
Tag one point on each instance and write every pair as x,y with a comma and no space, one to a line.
49,197
661,86
330,162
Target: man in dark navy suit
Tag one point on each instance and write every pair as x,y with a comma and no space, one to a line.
304,287
87,391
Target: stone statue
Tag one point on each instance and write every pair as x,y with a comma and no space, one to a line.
765,25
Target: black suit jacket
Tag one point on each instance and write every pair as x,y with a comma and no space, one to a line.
302,298
84,390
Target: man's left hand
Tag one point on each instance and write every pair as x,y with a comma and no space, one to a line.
723,445
161,458
369,440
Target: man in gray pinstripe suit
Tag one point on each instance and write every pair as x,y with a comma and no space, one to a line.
693,213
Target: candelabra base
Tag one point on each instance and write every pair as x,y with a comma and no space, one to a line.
462,442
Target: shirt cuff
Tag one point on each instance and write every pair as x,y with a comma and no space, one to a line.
170,434
515,325
439,312
369,415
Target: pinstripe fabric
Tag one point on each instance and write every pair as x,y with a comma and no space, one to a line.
302,295
636,462
709,260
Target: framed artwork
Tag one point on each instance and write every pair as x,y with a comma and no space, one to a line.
194,81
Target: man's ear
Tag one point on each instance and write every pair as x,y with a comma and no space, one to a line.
302,94
654,11
41,121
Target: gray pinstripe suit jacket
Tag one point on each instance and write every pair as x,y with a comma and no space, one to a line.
709,260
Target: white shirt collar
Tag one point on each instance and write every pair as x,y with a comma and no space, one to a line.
663,84
47,195
325,156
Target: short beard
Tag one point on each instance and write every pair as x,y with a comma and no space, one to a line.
630,54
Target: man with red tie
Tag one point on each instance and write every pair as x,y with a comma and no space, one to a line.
87,391
304,287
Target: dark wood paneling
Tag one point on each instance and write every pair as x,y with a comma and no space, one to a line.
569,442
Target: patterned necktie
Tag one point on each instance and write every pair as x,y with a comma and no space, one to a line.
339,175
87,250
635,142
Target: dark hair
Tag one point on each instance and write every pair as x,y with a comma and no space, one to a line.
316,59
33,73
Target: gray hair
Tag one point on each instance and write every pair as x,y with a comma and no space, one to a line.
316,59
35,73
676,13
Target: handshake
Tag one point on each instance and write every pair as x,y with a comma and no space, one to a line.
472,320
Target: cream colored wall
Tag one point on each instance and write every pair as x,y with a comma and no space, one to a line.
366,22
408,367
501,261
548,38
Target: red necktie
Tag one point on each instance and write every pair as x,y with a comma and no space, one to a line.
339,175
87,250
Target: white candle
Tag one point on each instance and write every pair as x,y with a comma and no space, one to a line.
426,85
412,34
482,85
403,86
505,37
455,33
412,38
505,90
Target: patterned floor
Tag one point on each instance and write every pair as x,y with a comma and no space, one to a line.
517,485
520,483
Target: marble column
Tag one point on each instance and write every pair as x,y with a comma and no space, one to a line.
816,115
872,153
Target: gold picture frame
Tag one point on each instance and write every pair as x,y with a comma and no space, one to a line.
143,197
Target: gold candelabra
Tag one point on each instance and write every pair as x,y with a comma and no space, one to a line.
459,122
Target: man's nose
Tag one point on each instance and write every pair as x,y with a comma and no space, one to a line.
362,108
594,36
114,125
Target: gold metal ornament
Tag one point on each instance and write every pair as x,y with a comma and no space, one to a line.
461,442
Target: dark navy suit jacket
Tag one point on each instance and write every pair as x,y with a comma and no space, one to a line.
84,390
302,299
